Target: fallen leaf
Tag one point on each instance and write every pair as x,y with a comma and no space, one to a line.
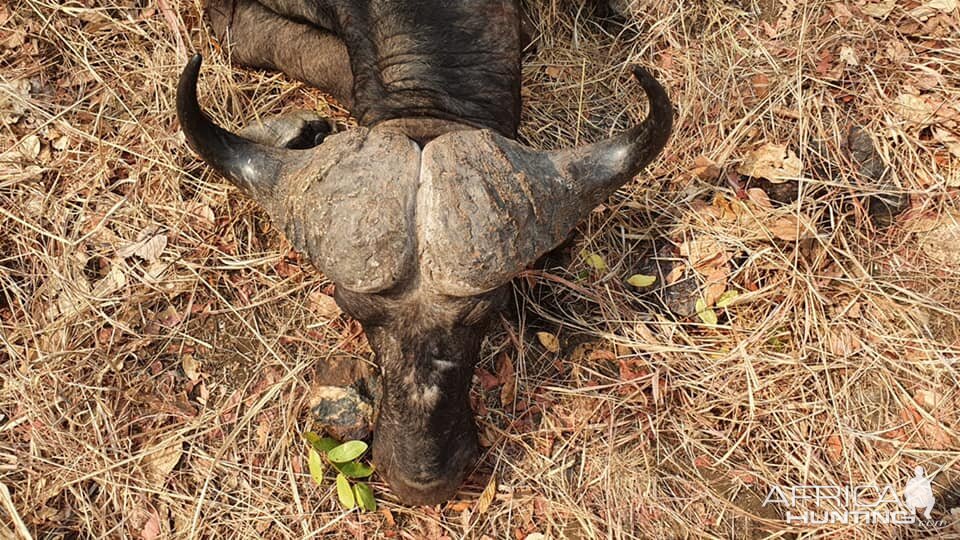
554,72
111,283
914,109
931,400
675,274
30,147
549,341
879,10
508,377
834,448
705,168
641,280
191,367
488,380
486,498
14,96
595,261
945,6
716,283
727,298
775,162
160,463
202,215
933,7
706,314
703,252
791,228
148,245
324,306
760,198
761,85
848,56
151,528
948,139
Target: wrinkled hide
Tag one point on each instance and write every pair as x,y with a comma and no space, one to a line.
422,217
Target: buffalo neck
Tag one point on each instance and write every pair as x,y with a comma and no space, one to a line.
447,60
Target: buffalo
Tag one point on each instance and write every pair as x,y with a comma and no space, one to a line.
422,214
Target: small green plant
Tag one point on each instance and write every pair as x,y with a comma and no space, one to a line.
345,458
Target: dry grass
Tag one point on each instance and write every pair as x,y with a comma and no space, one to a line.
837,364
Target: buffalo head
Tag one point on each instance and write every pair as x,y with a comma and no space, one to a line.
422,240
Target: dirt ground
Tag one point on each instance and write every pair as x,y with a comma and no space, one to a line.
159,340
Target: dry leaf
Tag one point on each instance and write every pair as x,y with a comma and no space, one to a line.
948,139
14,96
716,283
160,463
760,198
945,6
675,273
914,109
191,367
324,306
761,85
148,245
848,56
939,238
111,283
704,253
507,375
554,72
30,147
549,341
705,168
151,528
791,228
932,8
202,215
879,10
930,400
834,448
775,162
486,498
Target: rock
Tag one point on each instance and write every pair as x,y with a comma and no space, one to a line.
890,200
342,412
679,297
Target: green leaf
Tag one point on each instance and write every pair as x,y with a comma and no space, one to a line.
706,314
347,451
727,298
322,444
344,493
595,261
364,496
641,280
315,463
354,469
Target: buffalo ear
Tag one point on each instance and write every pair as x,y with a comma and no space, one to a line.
489,206
254,168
